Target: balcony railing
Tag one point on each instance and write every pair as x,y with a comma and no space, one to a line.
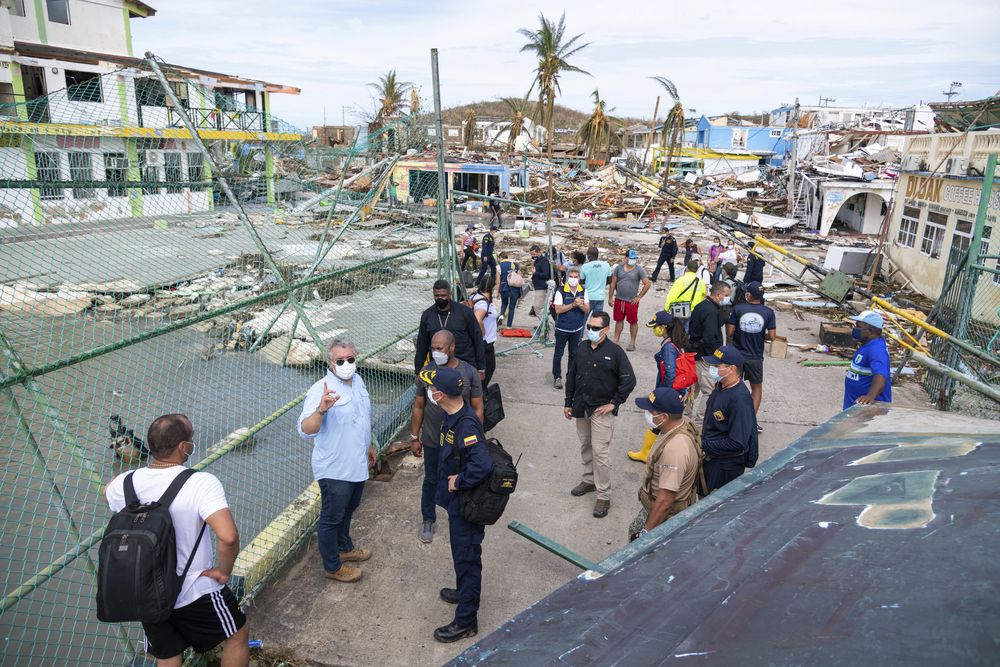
219,119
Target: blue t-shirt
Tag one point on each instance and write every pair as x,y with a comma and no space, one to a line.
870,360
595,278
752,322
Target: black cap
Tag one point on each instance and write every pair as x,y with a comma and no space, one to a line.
661,318
727,354
663,399
754,289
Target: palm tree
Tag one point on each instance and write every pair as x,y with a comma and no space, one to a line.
553,50
469,131
597,133
514,123
673,125
390,93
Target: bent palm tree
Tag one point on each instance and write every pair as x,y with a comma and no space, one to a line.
673,124
597,133
553,50
469,131
390,93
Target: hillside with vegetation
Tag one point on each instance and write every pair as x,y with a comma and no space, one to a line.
562,116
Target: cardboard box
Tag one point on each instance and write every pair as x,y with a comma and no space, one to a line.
779,347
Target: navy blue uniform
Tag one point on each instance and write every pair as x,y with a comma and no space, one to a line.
729,435
490,262
755,269
464,431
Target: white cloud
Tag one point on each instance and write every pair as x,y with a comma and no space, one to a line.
723,56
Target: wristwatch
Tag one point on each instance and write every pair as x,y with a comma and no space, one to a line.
414,437
643,531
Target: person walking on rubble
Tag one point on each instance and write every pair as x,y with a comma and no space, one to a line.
597,384
337,417
426,418
673,469
668,252
691,251
488,260
510,272
469,247
540,277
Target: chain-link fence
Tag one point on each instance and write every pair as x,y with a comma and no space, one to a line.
969,311
166,248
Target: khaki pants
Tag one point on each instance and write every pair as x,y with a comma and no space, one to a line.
539,303
702,390
595,444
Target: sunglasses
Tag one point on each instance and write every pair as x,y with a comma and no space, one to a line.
341,362
593,328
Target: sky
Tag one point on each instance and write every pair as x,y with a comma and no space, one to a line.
722,56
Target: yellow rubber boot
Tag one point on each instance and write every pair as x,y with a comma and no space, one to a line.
647,443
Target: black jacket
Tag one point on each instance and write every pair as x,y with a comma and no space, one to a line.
755,269
598,377
460,321
668,248
705,329
540,277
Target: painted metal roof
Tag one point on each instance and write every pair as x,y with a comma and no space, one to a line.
872,537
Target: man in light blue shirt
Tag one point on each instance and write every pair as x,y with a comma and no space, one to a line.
336,416
595,275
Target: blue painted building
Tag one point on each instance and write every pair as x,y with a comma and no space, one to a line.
771,144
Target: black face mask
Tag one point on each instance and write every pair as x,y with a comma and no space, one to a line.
442,304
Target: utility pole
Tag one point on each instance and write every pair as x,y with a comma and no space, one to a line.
649,139
951,90
825,101
790,205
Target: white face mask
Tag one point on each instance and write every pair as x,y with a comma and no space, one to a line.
631,262
440,358
345,371
650,421
593,336
430,396
727,300
573,282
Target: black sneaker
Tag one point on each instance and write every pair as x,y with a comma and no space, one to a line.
447,634
449,595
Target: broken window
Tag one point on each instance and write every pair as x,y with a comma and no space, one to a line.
908,224
47,171
251,100
58,10
15,7
739,138
173,172
196,167
83,86
149,93
180,89
775,134
933,238
116,173
963,234
80,171
149,167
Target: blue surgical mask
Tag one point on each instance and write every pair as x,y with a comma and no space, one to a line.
856,333
713,372
727,300
593,336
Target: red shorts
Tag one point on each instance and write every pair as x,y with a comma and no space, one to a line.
626,310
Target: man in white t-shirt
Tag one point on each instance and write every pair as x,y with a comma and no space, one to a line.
206,612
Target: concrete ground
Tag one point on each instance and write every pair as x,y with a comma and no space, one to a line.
388,618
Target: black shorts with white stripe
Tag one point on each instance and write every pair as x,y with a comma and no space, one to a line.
202,625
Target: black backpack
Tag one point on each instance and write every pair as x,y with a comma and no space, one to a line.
492,407
485,503
137,570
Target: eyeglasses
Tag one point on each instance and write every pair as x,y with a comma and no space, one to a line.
341,362
593,328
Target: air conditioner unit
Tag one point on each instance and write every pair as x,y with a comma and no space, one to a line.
956,166
912,163
118,163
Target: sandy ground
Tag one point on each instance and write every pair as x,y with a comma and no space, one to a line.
388,618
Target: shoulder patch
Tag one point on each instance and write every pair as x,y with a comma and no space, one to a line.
719,415
471,440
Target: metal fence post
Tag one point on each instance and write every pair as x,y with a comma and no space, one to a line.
446,232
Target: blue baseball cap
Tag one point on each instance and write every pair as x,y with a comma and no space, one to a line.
869,317
662,318
632,254
444,379
663,399
727,354
755,289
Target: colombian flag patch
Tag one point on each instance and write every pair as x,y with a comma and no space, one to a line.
471,440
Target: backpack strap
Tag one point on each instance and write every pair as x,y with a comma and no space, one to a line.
197,543
175,486
130,497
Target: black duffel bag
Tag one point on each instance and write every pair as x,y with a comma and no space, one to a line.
492,407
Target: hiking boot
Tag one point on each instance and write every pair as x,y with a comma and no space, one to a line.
601,508
557,383
583,488
452,632
449,595
426,533
346,574
356,555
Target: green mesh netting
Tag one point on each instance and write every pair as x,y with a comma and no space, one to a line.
132,285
